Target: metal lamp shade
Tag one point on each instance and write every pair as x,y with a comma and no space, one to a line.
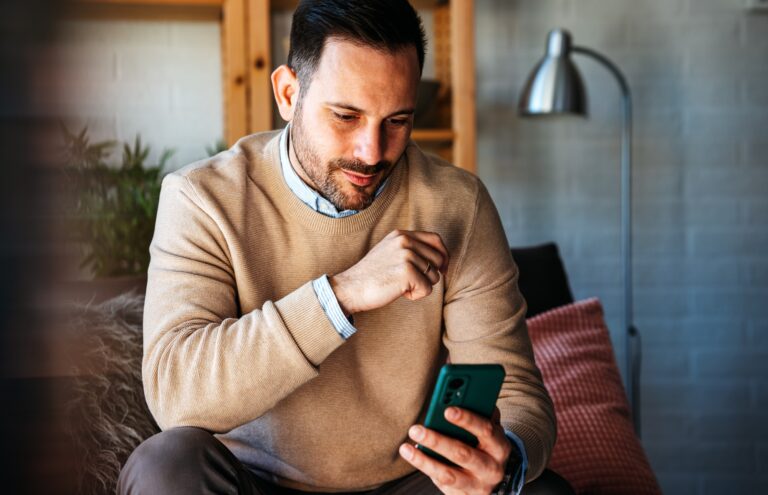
555,85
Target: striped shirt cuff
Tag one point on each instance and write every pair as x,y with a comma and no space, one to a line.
331,307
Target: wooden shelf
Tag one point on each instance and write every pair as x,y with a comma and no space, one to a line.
433,135
283,4
171,3
177,10
418,4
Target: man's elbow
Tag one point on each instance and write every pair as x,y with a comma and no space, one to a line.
173,404
172,410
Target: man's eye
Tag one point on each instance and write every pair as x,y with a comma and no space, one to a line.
398,122
344,117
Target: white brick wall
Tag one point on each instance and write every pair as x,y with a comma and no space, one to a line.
161,79
699,74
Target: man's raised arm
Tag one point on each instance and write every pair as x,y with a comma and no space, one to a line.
204,365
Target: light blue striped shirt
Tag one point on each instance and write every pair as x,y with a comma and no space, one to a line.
322,286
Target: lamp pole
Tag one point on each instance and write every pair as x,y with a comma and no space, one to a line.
631,360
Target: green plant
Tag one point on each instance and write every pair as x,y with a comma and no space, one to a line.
115,206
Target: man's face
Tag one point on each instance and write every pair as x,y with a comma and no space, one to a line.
353,122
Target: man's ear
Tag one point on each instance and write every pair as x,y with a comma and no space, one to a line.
285,86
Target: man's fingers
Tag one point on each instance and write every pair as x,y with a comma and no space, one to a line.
427,239
477,425
436,242
425,259
490,439
432,273
471,459
442,475
496,417
429,270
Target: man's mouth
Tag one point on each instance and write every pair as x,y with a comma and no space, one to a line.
359,179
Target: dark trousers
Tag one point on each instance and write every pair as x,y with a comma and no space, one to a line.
191,461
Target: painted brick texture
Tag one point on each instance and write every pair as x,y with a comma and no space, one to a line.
699,72
160,79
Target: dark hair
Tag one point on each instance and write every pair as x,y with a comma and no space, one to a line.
385,24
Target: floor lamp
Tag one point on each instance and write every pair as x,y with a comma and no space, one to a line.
555,87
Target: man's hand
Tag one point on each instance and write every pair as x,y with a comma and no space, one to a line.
479,469
404,263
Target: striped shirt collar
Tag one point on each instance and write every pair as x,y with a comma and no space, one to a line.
306,194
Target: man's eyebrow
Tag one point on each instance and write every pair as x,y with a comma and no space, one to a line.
402,111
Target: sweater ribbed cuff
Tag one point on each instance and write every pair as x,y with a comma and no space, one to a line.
307,322
534,449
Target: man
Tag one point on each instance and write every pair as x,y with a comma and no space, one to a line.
307,285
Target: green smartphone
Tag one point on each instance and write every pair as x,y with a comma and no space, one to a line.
474,387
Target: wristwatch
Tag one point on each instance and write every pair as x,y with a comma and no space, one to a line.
512,474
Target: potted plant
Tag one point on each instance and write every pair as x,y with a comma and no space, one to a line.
114,209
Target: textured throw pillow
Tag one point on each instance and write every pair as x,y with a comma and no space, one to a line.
597,450
106,412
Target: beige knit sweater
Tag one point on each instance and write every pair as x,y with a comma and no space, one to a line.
236,342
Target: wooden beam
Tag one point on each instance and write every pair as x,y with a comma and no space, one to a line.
259,66
176,3
463,84
234,70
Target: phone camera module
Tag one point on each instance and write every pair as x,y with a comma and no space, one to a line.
456,383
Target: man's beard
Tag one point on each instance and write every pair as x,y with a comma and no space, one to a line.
327,181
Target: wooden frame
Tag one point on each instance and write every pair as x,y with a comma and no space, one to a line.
247,64
464,118
234,70
260,62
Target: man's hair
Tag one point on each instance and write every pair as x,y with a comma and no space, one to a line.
389,25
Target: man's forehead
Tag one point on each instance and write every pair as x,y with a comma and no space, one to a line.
342,57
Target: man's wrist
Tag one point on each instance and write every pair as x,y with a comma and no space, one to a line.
515,468
337,286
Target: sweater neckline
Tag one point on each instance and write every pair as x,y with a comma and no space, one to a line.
363,220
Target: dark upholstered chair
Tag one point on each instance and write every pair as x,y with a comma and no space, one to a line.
544,284
543,281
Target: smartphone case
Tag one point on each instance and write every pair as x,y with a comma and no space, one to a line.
474,387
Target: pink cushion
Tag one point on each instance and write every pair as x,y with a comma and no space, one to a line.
597,450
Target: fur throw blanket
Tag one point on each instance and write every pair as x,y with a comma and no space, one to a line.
107,415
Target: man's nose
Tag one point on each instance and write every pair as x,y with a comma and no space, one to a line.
369,145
